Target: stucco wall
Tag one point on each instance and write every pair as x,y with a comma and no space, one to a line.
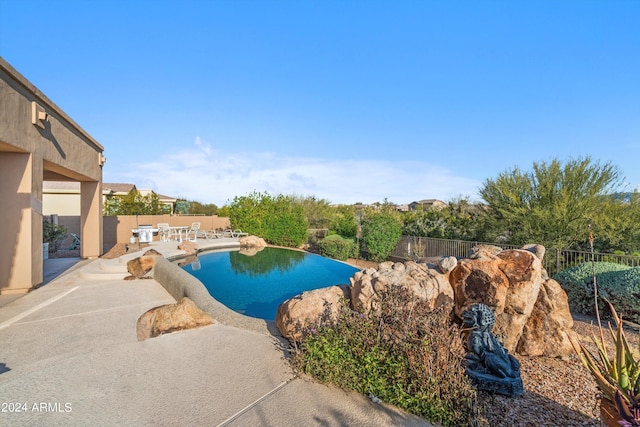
60,142
33,148
117,229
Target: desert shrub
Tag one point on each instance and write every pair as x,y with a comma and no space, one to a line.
344,223
337,247
617,283
403,354
381,233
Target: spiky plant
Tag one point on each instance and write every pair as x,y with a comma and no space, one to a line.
618,374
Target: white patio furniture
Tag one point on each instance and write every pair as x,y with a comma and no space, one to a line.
164,231
194,232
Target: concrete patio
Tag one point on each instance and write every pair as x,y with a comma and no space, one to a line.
69,357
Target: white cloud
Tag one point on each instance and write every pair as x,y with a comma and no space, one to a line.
212,176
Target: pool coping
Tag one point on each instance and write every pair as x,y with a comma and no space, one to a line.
179,284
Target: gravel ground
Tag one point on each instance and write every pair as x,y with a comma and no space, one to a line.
557,392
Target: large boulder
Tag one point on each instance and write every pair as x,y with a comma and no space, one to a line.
170,318
506,281
189,247
252,242
425,284
297,315
546,330
139,267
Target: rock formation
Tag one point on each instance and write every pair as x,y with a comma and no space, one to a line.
170,318
297,315
508,282
426,284
189,247
139,267
252,242
531,311
545,333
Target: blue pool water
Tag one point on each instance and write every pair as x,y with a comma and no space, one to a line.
256,285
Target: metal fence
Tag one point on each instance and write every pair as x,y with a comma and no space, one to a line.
555,260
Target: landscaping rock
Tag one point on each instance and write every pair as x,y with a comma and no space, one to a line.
297,315
537,250
189,247
508,282
252,242
545,333
426,284
139,267
170,318
447,264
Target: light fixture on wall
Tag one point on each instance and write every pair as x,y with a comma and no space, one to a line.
38,115
101,159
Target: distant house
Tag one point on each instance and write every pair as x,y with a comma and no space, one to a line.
63,197
170,202
426,204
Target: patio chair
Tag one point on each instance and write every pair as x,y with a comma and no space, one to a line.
194,232
75,244
239,233
213,234
164,231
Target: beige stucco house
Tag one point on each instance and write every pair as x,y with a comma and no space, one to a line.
63,197
426,204
39,142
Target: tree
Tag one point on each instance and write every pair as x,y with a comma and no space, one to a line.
381,233
182,207
278,220
317,212
135,203
552,204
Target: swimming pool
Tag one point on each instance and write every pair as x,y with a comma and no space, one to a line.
255,285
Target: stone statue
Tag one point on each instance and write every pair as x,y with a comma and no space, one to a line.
488,364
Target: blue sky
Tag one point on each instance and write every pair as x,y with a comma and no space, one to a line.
349,101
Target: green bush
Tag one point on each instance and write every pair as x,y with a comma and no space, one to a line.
403,354
617,283
336,247
278,220
344,224
381,233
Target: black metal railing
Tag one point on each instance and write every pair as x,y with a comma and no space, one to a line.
555,260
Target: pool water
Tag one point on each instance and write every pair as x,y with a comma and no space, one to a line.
255,285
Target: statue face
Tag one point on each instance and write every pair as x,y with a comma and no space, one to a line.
469,317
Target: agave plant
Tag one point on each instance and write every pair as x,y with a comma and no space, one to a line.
618,376
629,412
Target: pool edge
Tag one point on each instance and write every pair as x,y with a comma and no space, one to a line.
180,284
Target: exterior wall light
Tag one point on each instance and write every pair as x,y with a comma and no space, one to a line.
38,115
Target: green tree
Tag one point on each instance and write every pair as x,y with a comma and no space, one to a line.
381,233
344,221
135,203
197,208
279,220
317,212
425,223
182,207
553,203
